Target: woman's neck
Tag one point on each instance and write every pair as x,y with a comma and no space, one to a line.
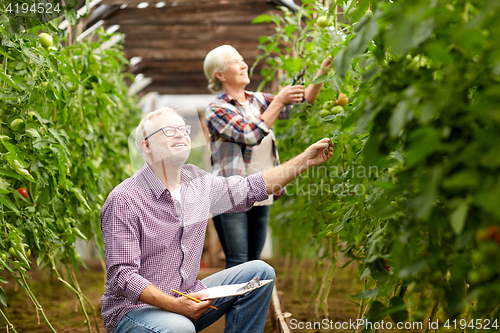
238,93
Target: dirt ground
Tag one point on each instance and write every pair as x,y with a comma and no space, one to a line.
64,312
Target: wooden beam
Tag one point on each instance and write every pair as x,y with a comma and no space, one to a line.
234,13
193,89
187,50
176,3
155,31
178,66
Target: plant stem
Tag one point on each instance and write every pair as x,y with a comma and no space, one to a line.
431,315
35,301
335,10
9,324
76,290
82,297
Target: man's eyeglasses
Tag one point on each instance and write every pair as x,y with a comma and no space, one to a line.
170,131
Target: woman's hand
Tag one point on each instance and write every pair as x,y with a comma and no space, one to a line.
327,62
290,94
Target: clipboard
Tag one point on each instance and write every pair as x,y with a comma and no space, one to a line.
233,289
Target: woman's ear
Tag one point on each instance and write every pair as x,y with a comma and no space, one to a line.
219,76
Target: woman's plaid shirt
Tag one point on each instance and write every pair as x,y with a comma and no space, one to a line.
232,136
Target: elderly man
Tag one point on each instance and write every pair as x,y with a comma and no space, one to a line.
154,224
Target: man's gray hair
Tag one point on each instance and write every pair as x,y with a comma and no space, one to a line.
215,61
141,130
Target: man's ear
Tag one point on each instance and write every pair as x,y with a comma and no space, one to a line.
145,146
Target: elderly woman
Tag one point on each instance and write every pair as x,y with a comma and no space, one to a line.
242,142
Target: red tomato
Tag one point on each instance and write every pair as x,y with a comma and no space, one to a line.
22,191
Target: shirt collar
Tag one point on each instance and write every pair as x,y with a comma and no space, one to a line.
151,181
225,97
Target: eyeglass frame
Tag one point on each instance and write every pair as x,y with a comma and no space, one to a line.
188,131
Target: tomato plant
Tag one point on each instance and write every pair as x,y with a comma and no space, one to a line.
418,139
65,116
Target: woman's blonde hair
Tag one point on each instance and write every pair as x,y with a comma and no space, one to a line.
140,131
215,62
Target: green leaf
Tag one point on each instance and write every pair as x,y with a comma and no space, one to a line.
8,79
9,204
425,200
33,133
17,166
424,141
71,16
366,29
458,215
264,18
320,79
362,7
384,185
398,118
4,186
81,198
412,269
3,297
32,56
10,147
369,293
398,311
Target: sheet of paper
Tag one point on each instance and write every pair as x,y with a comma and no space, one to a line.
229,290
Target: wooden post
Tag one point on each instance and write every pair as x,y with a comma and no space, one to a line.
281,320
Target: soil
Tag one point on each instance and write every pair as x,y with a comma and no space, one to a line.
295,280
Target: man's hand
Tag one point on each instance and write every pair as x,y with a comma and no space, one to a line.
315,153
277,178
190,308
181,305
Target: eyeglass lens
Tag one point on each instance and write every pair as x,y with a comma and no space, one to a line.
170,131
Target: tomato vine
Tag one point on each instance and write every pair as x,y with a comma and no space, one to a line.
422,78
65,116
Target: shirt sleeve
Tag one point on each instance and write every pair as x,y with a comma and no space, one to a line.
120,234
233,127
237,193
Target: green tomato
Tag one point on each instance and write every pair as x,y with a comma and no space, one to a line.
12,253
323,113
474,277
17,124
323,21
46,40
337,109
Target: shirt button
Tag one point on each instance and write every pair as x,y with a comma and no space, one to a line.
183,247
182,272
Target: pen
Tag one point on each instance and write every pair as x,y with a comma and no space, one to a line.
192,298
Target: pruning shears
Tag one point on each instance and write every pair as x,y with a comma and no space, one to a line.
300,78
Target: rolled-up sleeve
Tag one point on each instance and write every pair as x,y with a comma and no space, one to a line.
236,193
231,126
119,225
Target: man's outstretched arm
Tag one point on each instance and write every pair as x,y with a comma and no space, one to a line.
278,177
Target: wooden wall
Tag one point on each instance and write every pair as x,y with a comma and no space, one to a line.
173,41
